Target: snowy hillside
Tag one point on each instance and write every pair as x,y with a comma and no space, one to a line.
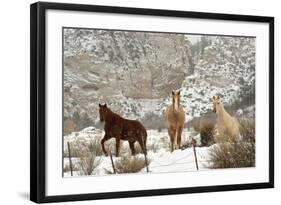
135,72
225,68
128,70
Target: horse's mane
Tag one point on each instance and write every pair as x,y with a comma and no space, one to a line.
112,114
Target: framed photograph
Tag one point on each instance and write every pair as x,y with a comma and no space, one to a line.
129,102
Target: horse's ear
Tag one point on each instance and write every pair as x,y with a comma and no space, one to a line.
179,92
218,97
214,97
105,105
99,105
173,93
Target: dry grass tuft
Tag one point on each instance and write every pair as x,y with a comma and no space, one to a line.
130,164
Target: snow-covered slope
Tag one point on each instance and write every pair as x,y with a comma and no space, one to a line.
226,68
135,72
128,70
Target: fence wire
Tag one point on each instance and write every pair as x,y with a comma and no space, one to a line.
177,161
190,157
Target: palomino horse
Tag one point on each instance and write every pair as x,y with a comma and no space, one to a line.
174,120
228,126
121,129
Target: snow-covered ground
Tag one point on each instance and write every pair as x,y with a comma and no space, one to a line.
159,155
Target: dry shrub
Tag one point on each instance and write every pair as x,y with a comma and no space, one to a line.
247,129
88,159
87,163
205,127
130,164
95,147
87,153
235,155
239,154
80,146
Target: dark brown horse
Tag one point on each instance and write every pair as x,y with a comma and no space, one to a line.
121,129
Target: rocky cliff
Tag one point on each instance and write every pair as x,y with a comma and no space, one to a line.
113,66
135,72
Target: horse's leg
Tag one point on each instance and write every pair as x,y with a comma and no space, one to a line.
132,147
172,134
179,132
104,139
117,145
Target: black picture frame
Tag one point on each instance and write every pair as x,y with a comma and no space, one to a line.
38,101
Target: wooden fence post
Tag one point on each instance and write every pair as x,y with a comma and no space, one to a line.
194,150
69,156
112,163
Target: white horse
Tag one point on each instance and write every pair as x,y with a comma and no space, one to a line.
227,126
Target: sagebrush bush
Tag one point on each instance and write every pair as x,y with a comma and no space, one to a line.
239,154
88,159
232,155
78,146
87,163
130,164
247,129
95,147
206,129
87,153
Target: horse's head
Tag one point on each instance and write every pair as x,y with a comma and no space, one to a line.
216,103
176,100
103,111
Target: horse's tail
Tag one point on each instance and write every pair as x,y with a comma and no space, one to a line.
142,136
144,139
